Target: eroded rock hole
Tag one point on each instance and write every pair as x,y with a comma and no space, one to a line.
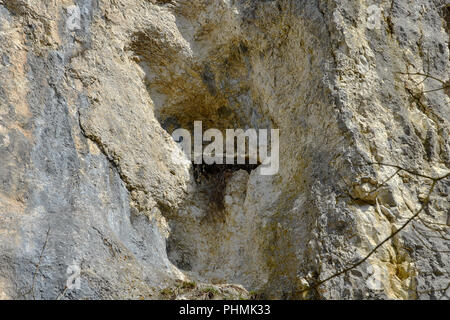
212,179
217,91
178,254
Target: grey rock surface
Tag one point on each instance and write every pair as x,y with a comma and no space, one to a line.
91,89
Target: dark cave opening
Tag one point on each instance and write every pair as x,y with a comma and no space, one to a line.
212,179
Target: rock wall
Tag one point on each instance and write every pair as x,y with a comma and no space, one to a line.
90,91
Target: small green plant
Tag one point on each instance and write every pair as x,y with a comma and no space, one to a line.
211,292
167,293
188,285
253,295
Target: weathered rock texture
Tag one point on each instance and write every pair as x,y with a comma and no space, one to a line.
87,175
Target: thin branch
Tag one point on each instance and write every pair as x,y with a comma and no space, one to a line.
437,89
37,268
425,203
408,170
384,182
423,75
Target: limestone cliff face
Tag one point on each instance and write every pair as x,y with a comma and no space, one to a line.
91,89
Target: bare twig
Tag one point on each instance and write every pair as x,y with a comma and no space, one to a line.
445,85
37,268
423,75
424,204
384,182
